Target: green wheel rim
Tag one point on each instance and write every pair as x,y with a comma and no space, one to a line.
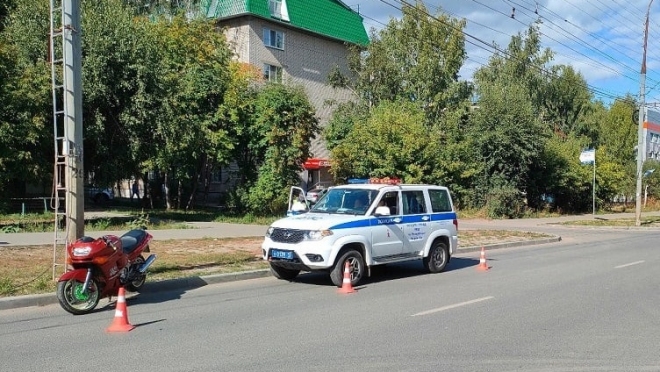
78,293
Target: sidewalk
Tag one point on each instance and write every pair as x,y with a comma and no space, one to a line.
198,230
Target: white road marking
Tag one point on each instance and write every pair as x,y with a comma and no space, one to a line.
629,264
427,312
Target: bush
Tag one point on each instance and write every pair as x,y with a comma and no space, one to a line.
141,221
505,202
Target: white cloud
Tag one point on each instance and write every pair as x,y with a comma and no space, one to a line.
602,39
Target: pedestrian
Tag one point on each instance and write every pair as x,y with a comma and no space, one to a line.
135,190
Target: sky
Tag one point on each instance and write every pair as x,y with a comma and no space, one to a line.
602,39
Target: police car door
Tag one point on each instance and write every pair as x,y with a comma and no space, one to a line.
416,220
386,233
297,201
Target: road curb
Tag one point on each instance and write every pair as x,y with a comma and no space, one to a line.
522,243
7,303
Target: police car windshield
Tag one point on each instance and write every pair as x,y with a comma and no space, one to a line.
345,201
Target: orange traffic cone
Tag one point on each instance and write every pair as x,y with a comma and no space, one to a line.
120,322
482,260
346,286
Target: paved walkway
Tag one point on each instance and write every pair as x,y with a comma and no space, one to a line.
198,230
201,230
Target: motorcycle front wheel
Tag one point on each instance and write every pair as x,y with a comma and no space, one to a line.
74,300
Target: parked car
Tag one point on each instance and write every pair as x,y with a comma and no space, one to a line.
365,225
99,195
315,194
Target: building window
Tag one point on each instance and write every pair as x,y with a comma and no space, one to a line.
216,175
278,9
272,73
274,39
275,7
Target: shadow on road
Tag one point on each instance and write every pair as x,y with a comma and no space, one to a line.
156,292
389,272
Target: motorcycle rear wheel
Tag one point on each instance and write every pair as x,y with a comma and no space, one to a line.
74,300
137,284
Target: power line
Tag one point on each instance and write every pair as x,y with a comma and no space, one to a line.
608,42
593,35
479,43
582,43
641,12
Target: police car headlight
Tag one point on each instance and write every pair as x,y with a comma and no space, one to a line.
317,234
269,231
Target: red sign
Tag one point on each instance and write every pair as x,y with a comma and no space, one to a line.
316,163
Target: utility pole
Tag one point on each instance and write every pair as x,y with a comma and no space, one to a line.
640,129
74,174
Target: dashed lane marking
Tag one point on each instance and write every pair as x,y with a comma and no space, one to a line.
448,307
629,264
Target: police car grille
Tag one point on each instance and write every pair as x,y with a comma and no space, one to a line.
287,235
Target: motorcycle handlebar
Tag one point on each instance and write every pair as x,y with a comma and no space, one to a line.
109,242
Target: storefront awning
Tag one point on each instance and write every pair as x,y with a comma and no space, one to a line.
316,163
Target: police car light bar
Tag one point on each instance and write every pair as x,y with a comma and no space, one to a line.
385,180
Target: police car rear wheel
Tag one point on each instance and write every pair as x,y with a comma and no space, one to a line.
438,257
355,267
283,273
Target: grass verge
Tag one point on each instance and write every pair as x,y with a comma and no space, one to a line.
28,269
651,221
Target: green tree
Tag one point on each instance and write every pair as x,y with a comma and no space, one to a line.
392,142
155,8
344,118
618,131
611,177
5,7
116,65
238,113
461,164
508,136
561,181
285,124
559,95
193,78
121,90
522,62
416,58
565,99
26,143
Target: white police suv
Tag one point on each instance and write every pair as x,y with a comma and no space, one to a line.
365,225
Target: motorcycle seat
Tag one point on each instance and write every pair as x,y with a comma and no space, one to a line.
132,239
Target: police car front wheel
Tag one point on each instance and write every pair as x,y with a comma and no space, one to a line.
355,267
438,257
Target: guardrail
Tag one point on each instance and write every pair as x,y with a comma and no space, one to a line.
33,205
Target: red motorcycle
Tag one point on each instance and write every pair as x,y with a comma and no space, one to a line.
100,267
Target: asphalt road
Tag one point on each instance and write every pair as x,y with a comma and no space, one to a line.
586,305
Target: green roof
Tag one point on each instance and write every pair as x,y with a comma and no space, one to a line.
330,18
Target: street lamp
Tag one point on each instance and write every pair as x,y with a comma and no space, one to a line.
640,129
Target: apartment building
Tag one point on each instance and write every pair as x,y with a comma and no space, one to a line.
297,42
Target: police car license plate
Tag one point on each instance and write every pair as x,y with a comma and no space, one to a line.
278,253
